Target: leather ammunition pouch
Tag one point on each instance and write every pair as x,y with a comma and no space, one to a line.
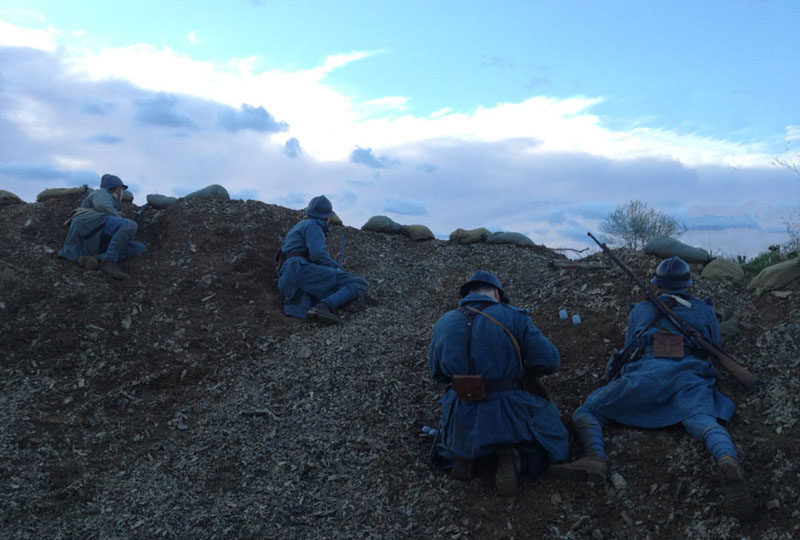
668,345
475,387
469,387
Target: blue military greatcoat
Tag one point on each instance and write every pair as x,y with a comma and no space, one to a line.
310,274
86,228
472,429
657,392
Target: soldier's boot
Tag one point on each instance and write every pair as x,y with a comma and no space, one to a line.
506,478
737,501
87,262
322,312
462,469
589,468
110,268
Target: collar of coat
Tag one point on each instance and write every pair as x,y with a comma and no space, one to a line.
472,297
320,222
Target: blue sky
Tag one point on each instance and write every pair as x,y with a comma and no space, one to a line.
537,117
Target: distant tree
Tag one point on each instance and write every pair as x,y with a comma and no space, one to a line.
634,224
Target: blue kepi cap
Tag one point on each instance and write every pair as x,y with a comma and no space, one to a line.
319,207
481,276
110,181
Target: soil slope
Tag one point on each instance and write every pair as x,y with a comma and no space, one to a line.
183,404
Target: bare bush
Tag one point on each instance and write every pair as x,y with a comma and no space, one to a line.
634,224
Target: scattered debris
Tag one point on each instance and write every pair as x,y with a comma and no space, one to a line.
143,409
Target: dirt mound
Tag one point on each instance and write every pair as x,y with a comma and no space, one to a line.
182,403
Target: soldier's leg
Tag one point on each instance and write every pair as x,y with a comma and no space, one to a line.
120,231
593,466
132,249
348,288
589,428
705,429
737,499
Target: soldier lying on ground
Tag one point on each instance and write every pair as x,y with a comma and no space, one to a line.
488,411
98,236
312,283
668,382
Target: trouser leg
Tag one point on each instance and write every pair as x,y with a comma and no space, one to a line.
130,250
737,500
716,438
589,428
120,231
348,288
592,467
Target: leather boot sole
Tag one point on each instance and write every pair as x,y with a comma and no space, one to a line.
321,317
582,470
87,262
109,268
506,479
737,501
462,469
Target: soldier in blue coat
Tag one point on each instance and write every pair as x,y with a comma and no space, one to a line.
313,284
98,235
496,415
670,382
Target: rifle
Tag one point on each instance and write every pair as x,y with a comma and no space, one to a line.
631,353
739,372
141,211
340,256
436,438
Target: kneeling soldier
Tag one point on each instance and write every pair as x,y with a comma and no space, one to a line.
312,283
98,235
484,348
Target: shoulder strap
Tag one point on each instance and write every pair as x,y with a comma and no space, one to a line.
514,341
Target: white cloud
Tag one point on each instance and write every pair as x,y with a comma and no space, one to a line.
390,102
35,118
329,124
16,36
544,166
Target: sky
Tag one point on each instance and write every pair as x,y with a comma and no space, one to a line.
532,117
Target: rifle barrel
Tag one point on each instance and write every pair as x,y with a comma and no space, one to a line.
737,370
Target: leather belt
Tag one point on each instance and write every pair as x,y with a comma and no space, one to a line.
501,385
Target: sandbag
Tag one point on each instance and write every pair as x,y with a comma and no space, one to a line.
723,270
775,276
665,247
469,236
159,202
728,330
417,232
127,196
334,219
57,193
382,224
514,238
214,191
7,198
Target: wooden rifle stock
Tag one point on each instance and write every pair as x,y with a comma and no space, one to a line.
739,372
340,255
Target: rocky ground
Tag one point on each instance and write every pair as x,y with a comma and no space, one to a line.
183,404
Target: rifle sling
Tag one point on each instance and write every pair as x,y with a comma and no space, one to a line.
514,341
